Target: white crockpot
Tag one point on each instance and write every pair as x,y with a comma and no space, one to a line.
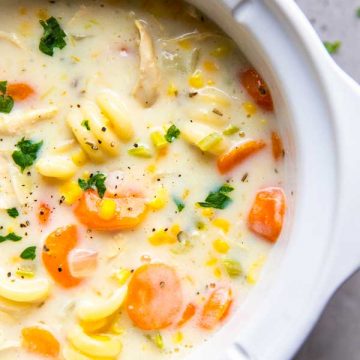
318,110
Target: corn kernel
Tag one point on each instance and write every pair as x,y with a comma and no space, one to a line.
151,168
221,246
71,192
222,224
185,194
210,66
207,212
79,158
107,209
211,262
172,90
249,108
175,229
185,44
122,276
160,199
162,237
221,51
217,272
158,139
196,80
178,337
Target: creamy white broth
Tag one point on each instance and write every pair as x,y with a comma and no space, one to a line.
102,53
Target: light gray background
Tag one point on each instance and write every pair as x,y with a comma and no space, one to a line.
337,335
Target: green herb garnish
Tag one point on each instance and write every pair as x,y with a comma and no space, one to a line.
85,124
6,101
10,237
218,199
29,253
179,204
332,47
53,37
172,134
13,212
27,153
358,12
96,181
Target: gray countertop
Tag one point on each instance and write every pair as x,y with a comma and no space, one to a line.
337,334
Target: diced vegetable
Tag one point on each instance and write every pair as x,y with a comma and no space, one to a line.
196,80
257,89
216,308
154,299
332,47
40,341
157,340
130,211
210,141
231,130
237,154
221,246
267,213
55,253
19,91
232,267
44,213
158,139
277,146
141,151
187,315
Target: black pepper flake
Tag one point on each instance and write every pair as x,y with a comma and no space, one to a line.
60,269
9,274
162,284
192,94
245,176
103,129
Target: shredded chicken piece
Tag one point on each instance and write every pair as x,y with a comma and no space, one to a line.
12,38
147,88
12,124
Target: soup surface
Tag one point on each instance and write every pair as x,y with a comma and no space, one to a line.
141,174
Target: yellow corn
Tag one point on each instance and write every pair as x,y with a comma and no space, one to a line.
175,229
158,139
222,224
185,44
151,168
196,80
185,194
178,337
160,199
207,212
210,66
107,209
79,158
217,272
172,90
221,246
162,237
249,108
71,192
211,262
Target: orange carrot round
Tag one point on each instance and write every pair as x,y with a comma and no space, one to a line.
44,213
55,255
267,213
130,211
19,91
237,154
216,308
154,299
257,89
40,341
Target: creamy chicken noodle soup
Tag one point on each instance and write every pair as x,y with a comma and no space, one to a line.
141,179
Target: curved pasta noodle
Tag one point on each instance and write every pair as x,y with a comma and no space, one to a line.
194,133
28,291
209,116
56,166
97,310
18,121
86,139
112,107
106,138
97,346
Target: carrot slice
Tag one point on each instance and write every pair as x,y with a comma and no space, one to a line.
40,341
277,146
257,89
267,213
44,213
216,308
55,255
187,314
237,154
130,211
154,299
19,91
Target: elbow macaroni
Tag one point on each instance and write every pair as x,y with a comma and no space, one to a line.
97,310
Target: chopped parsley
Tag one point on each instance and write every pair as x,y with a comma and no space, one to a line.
358,12
6,101
10,237
332,47
218,199
86,125
179,204
27,153
13,212
29,253
96,181
172,134
53,37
